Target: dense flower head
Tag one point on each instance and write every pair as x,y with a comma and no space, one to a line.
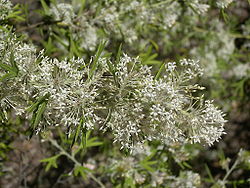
223,3
5,8
133,167
240,71
187,179
16,59
121,19
70,99
139,22
124,19
199,7
121,96
219,45
63,12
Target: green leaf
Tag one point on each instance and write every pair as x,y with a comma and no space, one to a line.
111,67
96,58
39,101
77,132
152,62
73,48
82,2
6,67
60,40
38,109
51,162
157,76
154,44
209,173
16,13
88,142
82,171
118,55
187,165
148,58
108,118
225,16
8,76
12,70
45,7
2,116
39,114
36,118
119,186
88,135
147,164
112,70
92,142
129,182
49,46
13,63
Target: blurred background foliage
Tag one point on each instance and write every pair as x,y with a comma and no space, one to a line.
158,32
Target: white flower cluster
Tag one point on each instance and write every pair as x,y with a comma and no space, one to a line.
199,7
121,96
63,12
132,167
218,45
126,20
12,53
70,99
186,179
134,22
246,32
5,8
240,71
223,3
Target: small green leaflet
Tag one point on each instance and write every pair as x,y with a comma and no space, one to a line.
38,109
87,143
82,171
12,70
51,162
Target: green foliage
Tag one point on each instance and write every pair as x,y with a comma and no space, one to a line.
98,32
90,142
37,109
80,170
147,163
51,162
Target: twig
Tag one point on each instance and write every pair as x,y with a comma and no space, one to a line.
63,152
230,170
29,27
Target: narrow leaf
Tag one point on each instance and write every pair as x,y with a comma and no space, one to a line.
209,173
39,114
36,104
95,60
77,132
159,72
6,67
118,55
51,162
45,7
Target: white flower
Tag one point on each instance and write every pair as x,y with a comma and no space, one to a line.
199,7
186,179
122,97
223,3
63,12
241,70
171,66
5,8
